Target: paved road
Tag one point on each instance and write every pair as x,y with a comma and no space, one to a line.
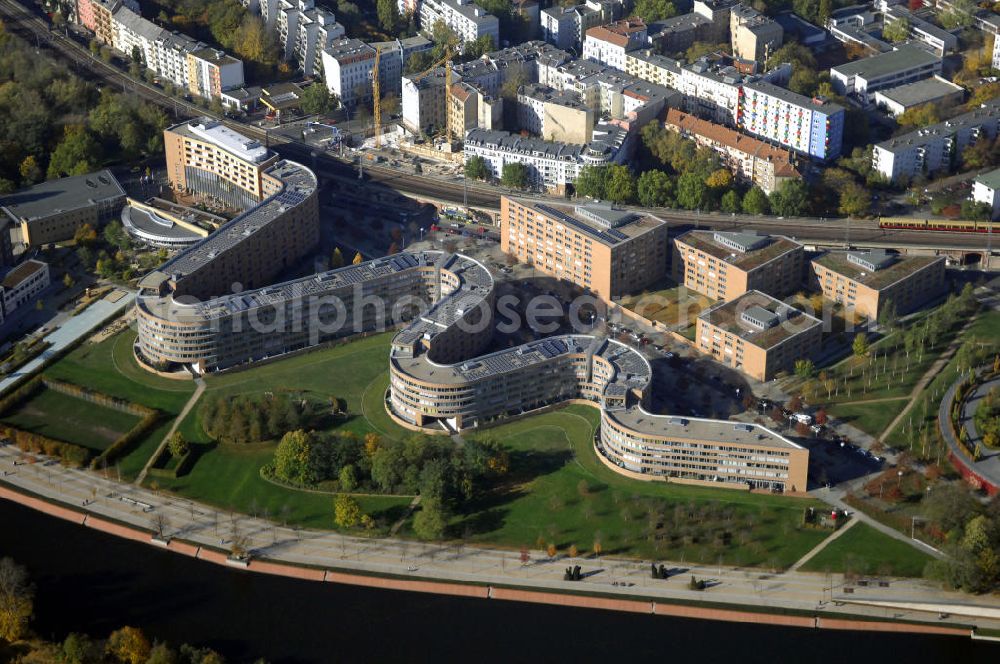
217,529
70,330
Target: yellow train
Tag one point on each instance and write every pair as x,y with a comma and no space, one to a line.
946,225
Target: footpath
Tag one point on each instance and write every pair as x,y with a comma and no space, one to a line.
745,594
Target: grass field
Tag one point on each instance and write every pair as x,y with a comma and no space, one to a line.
559,492
71,420
109,367
229,475
865,550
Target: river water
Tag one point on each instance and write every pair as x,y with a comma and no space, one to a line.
92,582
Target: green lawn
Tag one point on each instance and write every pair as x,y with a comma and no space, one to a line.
110,367
871,418
229,475
72,420
552,454
865,550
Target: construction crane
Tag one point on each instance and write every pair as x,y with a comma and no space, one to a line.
446,61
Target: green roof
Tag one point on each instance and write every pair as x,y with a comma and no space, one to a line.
727,317
902,268
750,260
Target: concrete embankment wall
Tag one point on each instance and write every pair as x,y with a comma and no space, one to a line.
471,590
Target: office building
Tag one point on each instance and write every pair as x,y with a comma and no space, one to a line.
863,78
933,90
938,40
865,282
750,159
724,265
757,335
52,211
937,148
607,251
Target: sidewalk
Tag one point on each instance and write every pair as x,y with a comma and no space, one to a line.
211,528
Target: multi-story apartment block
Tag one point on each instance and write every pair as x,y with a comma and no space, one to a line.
937,148
555,116
607,251
51,211
868,281
757,335
393,56
749,159
463,107
211,71
710,93
753,36
177,58
550,165
813,127
986,190
566,26
707,22
465,18
424,102
609,43
938,40
726,264
996,53
863,78
347,70
317,30
653,67
95,15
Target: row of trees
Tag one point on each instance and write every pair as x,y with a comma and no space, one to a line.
251,419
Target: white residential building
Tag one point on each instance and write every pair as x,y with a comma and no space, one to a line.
550,165
466,19
566,27
608,44
347,70
986,189
996,53
935,149
318,29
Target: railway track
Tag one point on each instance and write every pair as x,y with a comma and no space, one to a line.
29,24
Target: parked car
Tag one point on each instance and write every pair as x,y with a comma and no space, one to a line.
803,418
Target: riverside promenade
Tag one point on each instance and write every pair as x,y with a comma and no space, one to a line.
752,595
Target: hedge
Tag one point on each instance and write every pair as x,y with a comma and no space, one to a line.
26,441
182,468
